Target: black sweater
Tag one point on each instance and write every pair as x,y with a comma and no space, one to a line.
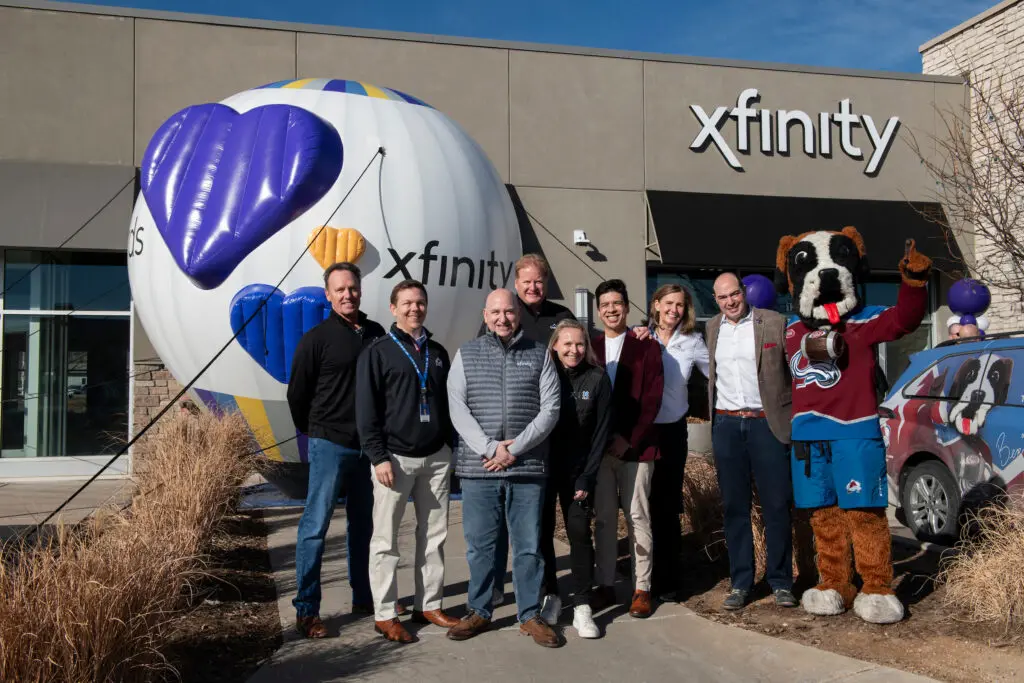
538,327
388,403
321,391
584,423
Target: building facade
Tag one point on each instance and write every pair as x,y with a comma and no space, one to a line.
676,168
989,51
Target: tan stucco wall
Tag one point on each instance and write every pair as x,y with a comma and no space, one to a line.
986,51
580,135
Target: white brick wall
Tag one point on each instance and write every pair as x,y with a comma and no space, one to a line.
987,50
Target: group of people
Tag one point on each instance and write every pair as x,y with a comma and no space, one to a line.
539,418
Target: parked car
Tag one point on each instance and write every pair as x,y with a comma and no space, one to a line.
953,425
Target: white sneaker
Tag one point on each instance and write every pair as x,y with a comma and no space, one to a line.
497,597
583,622
550,609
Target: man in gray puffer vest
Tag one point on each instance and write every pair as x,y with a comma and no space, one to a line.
503,396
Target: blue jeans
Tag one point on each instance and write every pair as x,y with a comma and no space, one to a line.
746,449
488,506
330,465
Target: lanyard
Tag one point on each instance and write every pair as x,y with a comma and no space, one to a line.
426,362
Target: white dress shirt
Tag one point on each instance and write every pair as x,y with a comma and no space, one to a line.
736,385
612,351
678,358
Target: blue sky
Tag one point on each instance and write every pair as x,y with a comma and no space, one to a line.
863,34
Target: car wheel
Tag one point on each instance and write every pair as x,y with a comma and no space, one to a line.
931,502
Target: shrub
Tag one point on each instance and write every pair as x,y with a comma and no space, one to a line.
985,580
91,603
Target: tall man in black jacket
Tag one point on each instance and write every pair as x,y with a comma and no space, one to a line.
321,397
404,426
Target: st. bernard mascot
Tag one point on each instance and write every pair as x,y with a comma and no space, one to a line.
838,457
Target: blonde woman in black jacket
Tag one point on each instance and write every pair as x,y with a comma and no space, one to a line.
577,445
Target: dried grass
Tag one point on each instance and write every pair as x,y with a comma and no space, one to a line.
985,580
92,603
703,516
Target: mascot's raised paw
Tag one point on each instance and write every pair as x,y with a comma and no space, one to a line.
878,609
824,603
915,266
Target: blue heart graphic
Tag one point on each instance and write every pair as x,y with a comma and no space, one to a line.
271,337
220,183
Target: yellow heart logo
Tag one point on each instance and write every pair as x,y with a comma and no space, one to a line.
333,245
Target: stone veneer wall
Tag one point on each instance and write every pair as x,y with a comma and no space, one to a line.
154,387
988,47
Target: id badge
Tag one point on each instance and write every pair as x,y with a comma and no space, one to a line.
424,408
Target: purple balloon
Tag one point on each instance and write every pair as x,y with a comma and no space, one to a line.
968,319
968,296
760,291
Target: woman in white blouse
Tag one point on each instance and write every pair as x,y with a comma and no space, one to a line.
673,323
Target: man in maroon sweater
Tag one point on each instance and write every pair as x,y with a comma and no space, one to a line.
624,480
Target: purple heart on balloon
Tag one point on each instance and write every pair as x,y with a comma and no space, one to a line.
220,183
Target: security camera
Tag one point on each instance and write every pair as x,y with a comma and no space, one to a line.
580,239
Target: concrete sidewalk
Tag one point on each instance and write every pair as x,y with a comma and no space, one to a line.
674,644
25,504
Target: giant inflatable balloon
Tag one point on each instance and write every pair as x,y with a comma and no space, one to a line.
306,173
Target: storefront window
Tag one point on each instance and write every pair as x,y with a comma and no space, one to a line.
65,356
699,285
65,281
879,291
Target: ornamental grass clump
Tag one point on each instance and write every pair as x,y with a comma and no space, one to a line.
93,602
985,579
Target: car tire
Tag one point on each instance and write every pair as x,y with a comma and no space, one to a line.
930,499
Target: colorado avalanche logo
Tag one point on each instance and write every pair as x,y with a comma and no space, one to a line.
825,374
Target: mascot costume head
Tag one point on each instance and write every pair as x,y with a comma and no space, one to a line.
838,457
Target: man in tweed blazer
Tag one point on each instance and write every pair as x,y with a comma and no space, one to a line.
750,397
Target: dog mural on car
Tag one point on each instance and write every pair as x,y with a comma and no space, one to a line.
964,406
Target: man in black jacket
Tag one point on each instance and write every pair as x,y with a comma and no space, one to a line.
404,426
539,314
321,397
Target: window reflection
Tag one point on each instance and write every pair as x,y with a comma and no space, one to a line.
66,281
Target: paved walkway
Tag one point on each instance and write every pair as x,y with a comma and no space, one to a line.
25,504
674,644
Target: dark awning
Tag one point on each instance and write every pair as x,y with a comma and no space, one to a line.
743,231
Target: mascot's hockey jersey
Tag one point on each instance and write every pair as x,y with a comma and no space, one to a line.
837,399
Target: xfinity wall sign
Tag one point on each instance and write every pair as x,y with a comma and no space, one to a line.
774,131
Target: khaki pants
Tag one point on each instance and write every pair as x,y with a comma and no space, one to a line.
428,482
626,485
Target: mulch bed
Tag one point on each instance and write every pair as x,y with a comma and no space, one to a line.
233,626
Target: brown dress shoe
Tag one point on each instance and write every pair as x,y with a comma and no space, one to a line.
469,626
435,617
541,633
310,627
604,596
641,605
393,631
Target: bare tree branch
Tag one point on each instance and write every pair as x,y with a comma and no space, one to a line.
977,162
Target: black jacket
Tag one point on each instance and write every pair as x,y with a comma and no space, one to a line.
584,425
322,388
388,403
538,327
